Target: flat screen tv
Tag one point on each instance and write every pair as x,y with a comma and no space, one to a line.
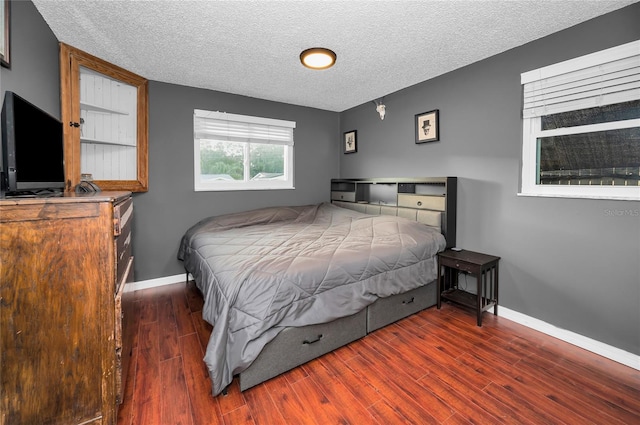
32,149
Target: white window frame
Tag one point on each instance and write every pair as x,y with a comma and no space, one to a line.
534,108
246,184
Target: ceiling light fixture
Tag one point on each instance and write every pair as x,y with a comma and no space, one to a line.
318,58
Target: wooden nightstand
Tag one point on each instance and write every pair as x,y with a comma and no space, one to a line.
481,266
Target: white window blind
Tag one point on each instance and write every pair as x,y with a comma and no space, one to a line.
602,78
581,122
240,128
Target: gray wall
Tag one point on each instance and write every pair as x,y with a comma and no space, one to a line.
34,73
171,206
574,263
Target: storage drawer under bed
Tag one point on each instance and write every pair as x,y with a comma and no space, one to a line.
295,346
391,309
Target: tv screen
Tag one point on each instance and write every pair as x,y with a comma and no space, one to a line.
32,148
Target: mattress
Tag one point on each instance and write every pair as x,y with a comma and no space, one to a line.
264,270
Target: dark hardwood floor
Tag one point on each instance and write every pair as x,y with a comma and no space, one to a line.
433,367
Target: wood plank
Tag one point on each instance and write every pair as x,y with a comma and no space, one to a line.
529,397
296,374
194,296
174,404
409,362
383,413
317,402
349,396
457,419
233,400
408,407
331,368
608,404
204,406
288,403
239,416
262,407
523,408
588,408
147,393
148,307
381,356
458,402
167,321
491,405
182,312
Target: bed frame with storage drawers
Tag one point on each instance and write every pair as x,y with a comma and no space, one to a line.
431,201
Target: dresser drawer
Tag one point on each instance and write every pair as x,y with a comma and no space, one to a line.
343,196
422,202
124,331
123,217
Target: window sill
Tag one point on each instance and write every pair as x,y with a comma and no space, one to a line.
582,196
240,188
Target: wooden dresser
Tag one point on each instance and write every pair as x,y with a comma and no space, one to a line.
64,341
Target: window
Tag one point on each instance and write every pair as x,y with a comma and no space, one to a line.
238,152
581,127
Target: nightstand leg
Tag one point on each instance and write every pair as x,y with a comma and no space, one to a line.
479,301
495,282
439,286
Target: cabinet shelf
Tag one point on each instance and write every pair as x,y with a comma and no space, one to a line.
97,108
105,142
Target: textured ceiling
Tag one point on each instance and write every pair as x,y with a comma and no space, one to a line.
252,47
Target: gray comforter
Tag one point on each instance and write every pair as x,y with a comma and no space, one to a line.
263,270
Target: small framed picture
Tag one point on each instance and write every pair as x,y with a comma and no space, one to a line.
351,141
428,127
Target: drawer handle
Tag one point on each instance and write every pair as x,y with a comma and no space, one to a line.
408,301
419,203
318,338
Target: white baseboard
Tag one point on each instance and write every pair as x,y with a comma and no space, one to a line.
597,347
153,283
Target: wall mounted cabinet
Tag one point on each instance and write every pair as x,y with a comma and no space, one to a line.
105,117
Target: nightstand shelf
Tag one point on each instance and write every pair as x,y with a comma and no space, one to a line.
481,266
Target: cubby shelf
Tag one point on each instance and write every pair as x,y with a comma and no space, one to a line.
420,193
97,108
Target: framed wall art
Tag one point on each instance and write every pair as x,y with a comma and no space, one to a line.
428,127
350,141
4,33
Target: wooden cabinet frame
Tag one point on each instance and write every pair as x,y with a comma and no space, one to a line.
71,59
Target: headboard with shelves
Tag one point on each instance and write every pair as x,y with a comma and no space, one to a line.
431,200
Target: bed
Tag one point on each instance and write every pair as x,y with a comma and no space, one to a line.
284,285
